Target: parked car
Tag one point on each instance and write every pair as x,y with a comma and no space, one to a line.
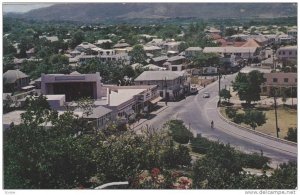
194,89
206,95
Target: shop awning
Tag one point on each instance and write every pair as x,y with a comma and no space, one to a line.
155,100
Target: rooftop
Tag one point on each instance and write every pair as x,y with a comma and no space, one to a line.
97,112
229,49
11,76
121,96
158,75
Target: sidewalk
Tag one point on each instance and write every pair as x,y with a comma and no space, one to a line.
143,120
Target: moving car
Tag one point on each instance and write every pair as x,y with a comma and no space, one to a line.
206,95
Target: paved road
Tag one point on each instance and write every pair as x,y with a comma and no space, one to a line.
197,112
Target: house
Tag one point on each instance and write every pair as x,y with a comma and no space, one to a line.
242,52
293,33
170,83
176,63
51,39
171,46
156,42
287,53
14,80
155,50
127,100
14,118
100,116
192,52
284,39
280,80
159,61
73,86
121,45
85,47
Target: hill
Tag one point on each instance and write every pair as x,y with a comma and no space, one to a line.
99,12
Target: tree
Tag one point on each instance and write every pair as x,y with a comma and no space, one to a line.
86,105
292,134
230,31
230,112
182,46
254,118
77,38
206,59
224,93
138,54
248,86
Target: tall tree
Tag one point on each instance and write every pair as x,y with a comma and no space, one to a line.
138,54
248,86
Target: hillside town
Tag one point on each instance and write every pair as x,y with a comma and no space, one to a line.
157,106
273,54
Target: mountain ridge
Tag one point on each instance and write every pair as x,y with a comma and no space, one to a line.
99,12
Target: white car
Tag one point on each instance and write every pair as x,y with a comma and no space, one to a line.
206,95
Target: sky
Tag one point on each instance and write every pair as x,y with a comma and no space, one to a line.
23,7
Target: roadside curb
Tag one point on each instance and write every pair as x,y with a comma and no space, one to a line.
256,132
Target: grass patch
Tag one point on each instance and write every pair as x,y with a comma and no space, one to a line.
287,117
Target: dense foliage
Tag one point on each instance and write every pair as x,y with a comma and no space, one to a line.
292,134
247,86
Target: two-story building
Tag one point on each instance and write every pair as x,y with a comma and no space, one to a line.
279,80
171,84
287,53
242,52
176,63
192,52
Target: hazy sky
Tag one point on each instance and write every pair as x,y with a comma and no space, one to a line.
23,7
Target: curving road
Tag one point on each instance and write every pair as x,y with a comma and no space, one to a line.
197,112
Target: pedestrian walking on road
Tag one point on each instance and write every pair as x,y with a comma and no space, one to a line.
212,124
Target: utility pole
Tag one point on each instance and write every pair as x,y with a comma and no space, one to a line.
292,95
276,119
219,85
166,87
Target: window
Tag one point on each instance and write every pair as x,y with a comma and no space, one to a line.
290,53
283,52
286,80
295,80
275,80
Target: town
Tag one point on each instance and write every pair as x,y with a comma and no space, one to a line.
184,106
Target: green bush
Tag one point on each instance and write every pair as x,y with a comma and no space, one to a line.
230,112
179,132
239,118
254,160
292,134
201,145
